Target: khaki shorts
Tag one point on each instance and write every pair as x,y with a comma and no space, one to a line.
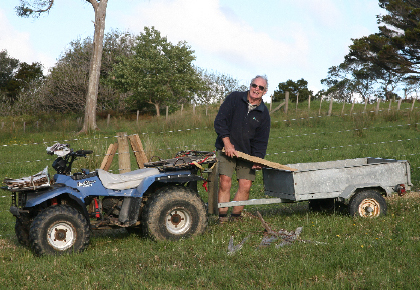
228,165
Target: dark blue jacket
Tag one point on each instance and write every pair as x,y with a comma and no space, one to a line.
248,132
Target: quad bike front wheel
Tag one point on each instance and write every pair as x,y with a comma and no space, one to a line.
57,230
173,213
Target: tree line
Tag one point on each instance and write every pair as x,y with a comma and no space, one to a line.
138,72
147,71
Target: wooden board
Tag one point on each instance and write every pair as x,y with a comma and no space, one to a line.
138,150
106,163
263,161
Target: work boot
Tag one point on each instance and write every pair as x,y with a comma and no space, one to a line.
235,217
223,218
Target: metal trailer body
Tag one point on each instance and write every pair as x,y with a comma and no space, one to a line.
331,179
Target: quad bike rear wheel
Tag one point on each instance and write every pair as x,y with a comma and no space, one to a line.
22,232
173,213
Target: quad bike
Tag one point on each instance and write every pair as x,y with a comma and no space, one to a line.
56,216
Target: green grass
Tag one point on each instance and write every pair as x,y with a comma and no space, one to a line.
352,253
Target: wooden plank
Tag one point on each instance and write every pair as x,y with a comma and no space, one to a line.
106,163
137,147
123,153
278,107
264,162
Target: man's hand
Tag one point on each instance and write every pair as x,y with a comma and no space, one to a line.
257,166
229,148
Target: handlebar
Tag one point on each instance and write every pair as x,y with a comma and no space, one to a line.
82,152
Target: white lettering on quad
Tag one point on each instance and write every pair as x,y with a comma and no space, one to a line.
86,183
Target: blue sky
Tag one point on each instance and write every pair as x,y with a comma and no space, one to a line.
288,39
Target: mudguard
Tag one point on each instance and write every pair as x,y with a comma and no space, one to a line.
54,192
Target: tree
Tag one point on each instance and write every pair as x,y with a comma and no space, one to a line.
16,76
217,86
157,72
65,88
35,9
8,67
396,47
348,78
25,74
338,83
294,88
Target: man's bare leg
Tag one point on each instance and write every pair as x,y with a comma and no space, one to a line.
225,183
241,194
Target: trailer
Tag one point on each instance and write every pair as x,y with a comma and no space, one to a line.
361,184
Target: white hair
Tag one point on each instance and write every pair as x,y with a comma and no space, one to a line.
264,77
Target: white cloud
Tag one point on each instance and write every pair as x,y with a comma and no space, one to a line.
18,44
15,42
216,31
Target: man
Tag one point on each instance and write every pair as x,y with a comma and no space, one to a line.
242,124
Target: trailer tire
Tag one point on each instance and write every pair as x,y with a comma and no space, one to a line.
174,213
22,233
58,230
367,203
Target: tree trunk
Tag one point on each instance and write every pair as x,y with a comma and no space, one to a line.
157,110
95,66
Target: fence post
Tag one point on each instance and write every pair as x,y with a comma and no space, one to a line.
182,108
390,102
271,102
309,102
412,106
342,110
286,106
108,119
137,117
213,183
123,153
366,101
320,103
193,109
167,112
399,104
378,101
297,100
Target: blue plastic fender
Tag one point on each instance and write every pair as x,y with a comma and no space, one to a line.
56,191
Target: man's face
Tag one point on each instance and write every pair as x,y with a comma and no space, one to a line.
257,92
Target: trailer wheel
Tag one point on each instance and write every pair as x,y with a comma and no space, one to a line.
174,213
22,232
58,230
367,203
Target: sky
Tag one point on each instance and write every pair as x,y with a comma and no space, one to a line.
282,39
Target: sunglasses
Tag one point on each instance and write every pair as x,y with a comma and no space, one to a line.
260,87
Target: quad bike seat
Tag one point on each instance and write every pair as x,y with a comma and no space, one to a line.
127,180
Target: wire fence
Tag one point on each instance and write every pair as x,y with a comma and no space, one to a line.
10,220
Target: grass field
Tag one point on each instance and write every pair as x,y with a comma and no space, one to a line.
341,252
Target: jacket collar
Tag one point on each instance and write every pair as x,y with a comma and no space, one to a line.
260,107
